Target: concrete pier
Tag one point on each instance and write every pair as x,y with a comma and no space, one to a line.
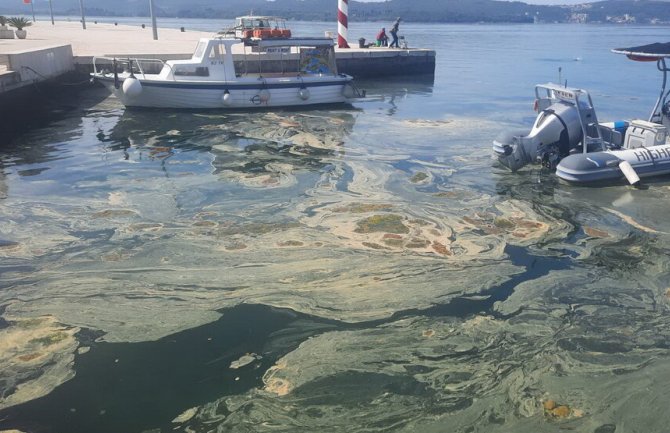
26,66
52,50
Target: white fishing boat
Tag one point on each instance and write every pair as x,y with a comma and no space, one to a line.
227,72
567,136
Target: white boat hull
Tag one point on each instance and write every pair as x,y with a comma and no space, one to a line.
180,94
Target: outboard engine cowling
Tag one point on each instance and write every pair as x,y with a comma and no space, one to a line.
557,129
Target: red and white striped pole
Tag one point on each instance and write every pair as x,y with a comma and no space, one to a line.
342,23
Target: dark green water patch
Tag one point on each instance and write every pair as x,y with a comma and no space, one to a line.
536,267
625,255
132,387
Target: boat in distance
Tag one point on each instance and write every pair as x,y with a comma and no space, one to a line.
568,137
259,27
277,72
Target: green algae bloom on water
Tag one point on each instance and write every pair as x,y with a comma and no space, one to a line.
335,269
419,177
382,223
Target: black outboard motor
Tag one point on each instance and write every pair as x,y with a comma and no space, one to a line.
557,129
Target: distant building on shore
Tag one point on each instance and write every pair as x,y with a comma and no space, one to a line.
624,19
579,18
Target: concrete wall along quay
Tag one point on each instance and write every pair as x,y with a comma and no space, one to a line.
20,68
376,62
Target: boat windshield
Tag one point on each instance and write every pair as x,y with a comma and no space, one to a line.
200,49
317,60
255,23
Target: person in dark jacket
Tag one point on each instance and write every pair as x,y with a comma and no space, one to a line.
394,33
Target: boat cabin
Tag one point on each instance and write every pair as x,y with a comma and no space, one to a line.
229,59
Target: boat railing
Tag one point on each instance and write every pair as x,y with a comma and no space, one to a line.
582,101
140,63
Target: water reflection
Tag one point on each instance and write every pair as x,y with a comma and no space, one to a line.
415,84
4,190
391,90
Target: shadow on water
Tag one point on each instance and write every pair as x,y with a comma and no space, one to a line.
415,84
132,387
33,107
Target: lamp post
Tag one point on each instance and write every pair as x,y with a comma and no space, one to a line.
32,8
51,9
153,19
83,17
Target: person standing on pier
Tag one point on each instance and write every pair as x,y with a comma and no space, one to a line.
394,33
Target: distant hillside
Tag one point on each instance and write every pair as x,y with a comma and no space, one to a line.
641,11
457,11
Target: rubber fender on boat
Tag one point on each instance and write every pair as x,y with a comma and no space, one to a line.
303,93
132,87
348,91
629,172
264,96
226,98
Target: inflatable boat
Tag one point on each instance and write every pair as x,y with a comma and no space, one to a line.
567,136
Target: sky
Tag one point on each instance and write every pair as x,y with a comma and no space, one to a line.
534,2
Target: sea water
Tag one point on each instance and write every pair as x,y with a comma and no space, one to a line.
350,268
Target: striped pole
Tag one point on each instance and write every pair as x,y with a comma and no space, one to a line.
342,23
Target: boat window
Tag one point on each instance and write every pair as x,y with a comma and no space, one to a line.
215,52
200,49
318,60
190,71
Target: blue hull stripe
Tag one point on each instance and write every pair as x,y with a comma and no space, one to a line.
231,86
